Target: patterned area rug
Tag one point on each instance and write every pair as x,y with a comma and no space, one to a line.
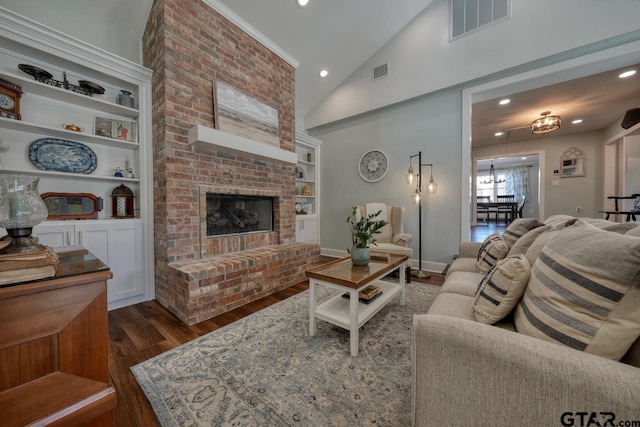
265,370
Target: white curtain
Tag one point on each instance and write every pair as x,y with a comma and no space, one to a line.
518,182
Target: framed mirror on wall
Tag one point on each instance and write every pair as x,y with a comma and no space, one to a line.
573,162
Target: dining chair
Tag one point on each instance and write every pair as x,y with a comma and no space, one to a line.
507,211
483,209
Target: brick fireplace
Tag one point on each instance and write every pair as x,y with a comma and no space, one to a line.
189,46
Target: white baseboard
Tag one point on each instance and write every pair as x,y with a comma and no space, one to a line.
434,267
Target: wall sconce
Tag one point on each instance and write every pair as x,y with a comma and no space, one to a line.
21,209
416,198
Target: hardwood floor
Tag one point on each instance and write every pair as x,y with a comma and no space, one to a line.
144,330
484,229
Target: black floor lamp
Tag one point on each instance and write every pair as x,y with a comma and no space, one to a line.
416,198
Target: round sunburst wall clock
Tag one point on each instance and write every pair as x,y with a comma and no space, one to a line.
373,165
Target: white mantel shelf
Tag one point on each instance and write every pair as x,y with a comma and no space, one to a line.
207,138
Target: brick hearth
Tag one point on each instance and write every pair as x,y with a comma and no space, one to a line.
189,45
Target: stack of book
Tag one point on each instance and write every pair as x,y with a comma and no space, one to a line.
369,293
22,267
366,295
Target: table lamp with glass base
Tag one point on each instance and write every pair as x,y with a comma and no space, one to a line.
21,209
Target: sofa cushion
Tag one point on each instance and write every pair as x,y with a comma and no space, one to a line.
518,228
463,264
524,242
500,289
633,232
462,282
559,221
539,243
584,292
493,249
453,305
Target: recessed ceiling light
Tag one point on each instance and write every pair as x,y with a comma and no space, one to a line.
302,3
627,74
499,133
523,158
324,73
576,121
504,101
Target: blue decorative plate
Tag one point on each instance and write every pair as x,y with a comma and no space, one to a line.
53,154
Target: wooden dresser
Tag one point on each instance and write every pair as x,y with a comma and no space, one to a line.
54,349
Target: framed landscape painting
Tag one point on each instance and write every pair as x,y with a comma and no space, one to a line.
242,115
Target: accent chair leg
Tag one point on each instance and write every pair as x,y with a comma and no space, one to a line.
407,273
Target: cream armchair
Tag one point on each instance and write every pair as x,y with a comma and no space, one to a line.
392,238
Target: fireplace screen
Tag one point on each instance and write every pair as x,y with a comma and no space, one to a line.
233,214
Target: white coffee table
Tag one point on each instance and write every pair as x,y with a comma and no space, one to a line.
350,313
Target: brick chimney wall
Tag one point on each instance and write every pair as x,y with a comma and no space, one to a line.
188,45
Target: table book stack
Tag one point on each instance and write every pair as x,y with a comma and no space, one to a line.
22,267
367,295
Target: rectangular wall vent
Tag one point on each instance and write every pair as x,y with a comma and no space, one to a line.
381,71
470,15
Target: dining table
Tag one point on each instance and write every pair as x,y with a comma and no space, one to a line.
512,208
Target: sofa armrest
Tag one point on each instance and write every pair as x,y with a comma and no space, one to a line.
402,239
469,249
466,373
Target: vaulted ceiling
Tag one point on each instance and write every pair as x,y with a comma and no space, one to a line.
340,35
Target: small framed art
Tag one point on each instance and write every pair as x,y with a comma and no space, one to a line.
123,130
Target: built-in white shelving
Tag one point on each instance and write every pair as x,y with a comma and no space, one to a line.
126,245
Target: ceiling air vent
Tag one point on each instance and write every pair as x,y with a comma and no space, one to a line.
381,71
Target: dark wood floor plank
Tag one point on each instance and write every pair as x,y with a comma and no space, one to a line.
142,331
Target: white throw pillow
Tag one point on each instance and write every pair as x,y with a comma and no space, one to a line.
584,292
501,289
493,249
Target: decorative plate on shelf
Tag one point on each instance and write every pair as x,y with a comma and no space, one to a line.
61,155
373,165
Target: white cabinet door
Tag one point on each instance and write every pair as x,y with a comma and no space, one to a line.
126,255
307,230
119,245
55,235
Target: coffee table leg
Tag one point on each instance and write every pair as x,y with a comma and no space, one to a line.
353,327
312,307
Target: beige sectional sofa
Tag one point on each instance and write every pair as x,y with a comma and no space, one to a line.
547,360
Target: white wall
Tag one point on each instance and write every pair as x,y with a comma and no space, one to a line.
77,20
422,60
430,124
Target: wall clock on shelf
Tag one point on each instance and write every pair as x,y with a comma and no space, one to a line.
10,100
373,165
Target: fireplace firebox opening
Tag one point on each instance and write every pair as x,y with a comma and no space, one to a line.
235,214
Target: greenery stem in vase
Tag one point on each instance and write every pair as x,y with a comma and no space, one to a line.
362,233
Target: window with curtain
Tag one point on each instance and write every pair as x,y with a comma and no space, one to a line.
518,182
491,189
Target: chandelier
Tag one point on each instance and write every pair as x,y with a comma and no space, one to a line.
546,123
492,177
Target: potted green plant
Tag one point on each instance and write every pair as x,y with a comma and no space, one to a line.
362,235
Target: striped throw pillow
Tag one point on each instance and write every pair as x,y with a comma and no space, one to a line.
493,249
584,292
500,289
518,228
